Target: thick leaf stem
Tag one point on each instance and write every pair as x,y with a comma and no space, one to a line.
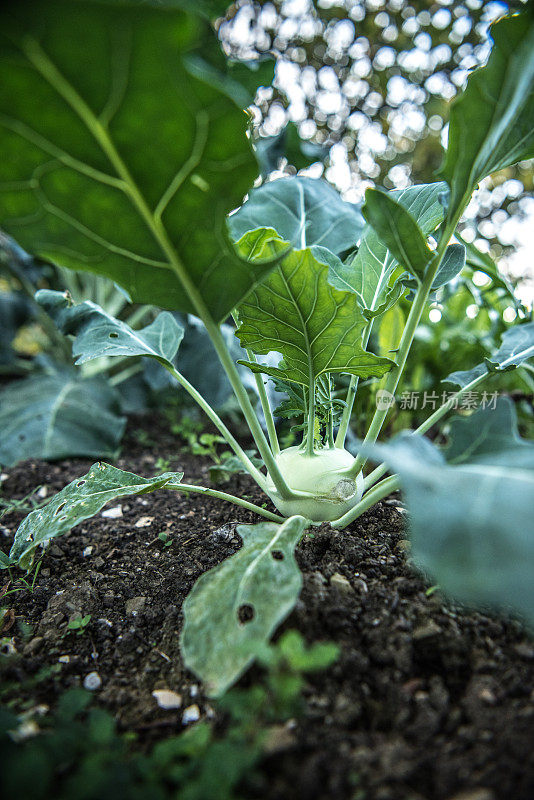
49,71
440,412
408,334
310,434
219,424
187,488
377,493
351,394
264,400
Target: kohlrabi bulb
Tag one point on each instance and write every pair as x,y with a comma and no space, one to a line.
330,492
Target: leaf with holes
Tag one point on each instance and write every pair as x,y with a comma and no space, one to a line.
517,346
116,159
99,334
57,416
81,499
304,212
492,121
315,327
235,607
472,527
371,272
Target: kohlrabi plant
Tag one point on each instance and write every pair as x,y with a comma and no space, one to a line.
126,163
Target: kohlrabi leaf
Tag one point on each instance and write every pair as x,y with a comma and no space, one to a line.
81,499
472,526
452,264
398,230
99,334
484,263
115,158
303,211
517,346
57,416
489,436
369,273
234,608
316,328
492,122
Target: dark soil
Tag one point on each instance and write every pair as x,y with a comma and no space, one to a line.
426,701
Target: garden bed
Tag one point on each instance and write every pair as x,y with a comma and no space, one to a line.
426,700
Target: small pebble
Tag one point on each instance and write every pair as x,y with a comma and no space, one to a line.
64,659
92,682
167,699
144,522
339,582
135,605
88,551
191,714
112,513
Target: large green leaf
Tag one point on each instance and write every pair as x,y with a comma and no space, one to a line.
56,416
115,158
316,328
492,122
234,608
303,211
517,346
81,499
369,273
398,230
472,526
99,334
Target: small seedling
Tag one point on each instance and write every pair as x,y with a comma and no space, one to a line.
79,624
164,537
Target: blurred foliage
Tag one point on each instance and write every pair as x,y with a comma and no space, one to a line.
76,753
372,80
462,326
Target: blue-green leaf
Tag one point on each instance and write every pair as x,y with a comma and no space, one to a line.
303,211
81,499
99,334
369,273
517,346
234,608
472,526
398,230
57,416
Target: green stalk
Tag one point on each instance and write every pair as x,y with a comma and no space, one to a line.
311,420
380,491
351,394
264,400
124,374
126,182
238,501
408,334
219,424
440,412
